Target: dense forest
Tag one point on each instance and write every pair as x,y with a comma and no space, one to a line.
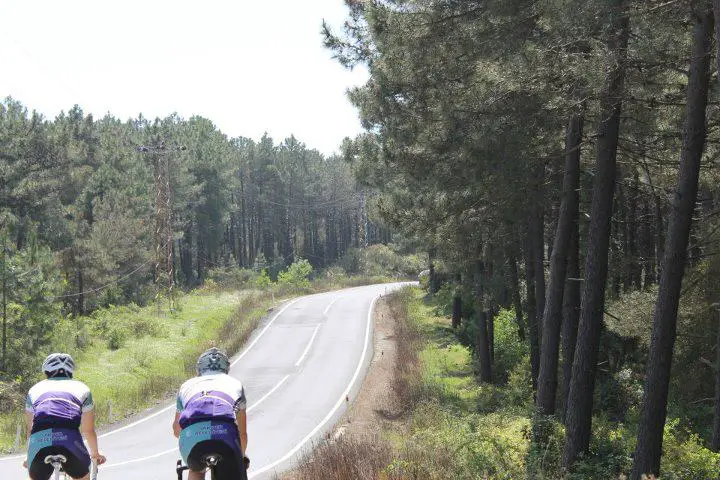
79,217
559,158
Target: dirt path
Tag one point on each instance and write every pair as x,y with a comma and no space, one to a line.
373,407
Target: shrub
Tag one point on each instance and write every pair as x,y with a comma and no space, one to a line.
509,350
117,335
684,456
233,278
380,260
146,325
263,280
297,275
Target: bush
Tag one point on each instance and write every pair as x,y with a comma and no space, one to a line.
263,280
232,278
11,396
378,260
464,446
297,275
684,456
117,335
509,350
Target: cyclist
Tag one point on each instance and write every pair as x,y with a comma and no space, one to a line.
59,413
211,419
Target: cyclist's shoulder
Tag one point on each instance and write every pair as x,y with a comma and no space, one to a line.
219,381
229,381
68,385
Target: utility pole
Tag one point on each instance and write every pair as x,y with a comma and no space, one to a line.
164,263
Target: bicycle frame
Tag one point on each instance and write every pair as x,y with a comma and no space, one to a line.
210,462
56,461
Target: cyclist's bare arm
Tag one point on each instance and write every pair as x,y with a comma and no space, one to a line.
176,425
29,422
241,420
87,428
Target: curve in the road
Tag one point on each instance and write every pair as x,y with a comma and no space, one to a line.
297,363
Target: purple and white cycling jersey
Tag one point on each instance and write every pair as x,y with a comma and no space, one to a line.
58,403
211,396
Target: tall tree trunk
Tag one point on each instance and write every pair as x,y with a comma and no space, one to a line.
3,366
582,383
457,302
516,297
552,317
492,313
531,312
618,248
659,238
716,15
646,235
715,445
657,379
432,281
483,344
571,312
634,276
538,245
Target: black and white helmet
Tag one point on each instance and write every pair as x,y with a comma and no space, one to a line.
213,360
58,364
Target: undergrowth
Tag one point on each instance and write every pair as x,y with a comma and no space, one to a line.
454,427
133,358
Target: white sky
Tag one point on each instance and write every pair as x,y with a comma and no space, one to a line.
250,66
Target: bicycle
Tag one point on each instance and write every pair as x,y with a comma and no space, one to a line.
211,460
57,461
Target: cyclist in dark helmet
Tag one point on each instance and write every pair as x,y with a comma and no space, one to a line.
211,419
59,413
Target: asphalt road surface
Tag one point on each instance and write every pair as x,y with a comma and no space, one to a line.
299,369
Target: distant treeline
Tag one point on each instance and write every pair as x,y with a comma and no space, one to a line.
78,213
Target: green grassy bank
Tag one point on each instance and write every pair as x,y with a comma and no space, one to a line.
447,425
134,357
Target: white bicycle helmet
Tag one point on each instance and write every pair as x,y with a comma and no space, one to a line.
213,360
59,364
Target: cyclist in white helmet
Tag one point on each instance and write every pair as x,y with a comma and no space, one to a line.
211,419
59,413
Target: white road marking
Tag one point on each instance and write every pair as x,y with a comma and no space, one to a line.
331,304
136,460
307,349
175,449
263,332
340,401
16,457
268,394
144,419
170,407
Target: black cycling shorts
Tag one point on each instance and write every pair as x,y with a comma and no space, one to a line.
75,467
231,467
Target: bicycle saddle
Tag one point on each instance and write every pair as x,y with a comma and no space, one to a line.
211,459
52,459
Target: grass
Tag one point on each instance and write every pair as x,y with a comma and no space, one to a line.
134,358
441,432
454,427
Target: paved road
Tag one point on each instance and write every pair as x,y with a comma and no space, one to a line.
297,368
